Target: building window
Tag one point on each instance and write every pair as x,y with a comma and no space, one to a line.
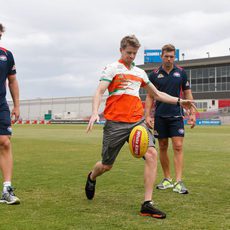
199,88
208,79
211,87
205,87
228,86
194,88
211,72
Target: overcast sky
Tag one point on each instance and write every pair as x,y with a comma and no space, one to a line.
61,46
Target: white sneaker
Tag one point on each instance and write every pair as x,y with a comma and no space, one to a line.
165,183
9,197
180,188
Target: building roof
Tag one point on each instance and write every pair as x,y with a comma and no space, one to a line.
202,62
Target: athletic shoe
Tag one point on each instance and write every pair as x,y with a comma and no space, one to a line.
90,187
165,183
148,209
9,197
180,188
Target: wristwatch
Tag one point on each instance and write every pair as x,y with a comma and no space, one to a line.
178,102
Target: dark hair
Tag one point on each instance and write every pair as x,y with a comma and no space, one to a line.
130,40
2,28
168,48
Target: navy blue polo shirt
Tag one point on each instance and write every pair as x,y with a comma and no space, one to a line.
173,84
7,67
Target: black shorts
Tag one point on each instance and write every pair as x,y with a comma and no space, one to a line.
5,123
168,127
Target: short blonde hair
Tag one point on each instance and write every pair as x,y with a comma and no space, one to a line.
130,40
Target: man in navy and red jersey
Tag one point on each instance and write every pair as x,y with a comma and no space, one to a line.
7,72
168,118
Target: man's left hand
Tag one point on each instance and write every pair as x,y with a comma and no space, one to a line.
15,113
189,106
192,120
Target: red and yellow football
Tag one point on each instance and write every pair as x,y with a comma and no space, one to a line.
138,141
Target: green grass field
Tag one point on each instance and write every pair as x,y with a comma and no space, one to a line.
51,163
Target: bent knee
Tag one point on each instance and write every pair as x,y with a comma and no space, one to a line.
151,153
106,167
163,145
178,147
5,142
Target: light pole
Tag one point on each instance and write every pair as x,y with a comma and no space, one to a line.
182,56
208,54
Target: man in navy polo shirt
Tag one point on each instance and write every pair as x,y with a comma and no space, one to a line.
168,119
7,72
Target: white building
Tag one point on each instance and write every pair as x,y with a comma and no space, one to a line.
58,108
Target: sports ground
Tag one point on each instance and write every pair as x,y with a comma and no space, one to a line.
51,163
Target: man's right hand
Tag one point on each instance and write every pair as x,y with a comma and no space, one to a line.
93,118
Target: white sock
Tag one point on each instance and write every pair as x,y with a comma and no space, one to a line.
5,185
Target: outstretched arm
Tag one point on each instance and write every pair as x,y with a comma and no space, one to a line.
148,107
103,85
188,105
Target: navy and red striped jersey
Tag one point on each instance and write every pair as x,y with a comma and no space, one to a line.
173,84
7,67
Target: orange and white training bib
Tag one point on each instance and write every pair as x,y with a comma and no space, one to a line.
123,103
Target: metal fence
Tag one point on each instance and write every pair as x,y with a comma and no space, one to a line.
80,108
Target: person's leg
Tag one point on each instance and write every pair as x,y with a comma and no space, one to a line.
6,166
177,144
6,158
161,132
114,137
165,164
176,129
99,169
177,135
150,172
164,158
179,186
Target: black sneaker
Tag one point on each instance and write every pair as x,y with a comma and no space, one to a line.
90,187
147,209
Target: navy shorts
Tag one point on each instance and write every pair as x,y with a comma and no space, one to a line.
5,123
165,127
